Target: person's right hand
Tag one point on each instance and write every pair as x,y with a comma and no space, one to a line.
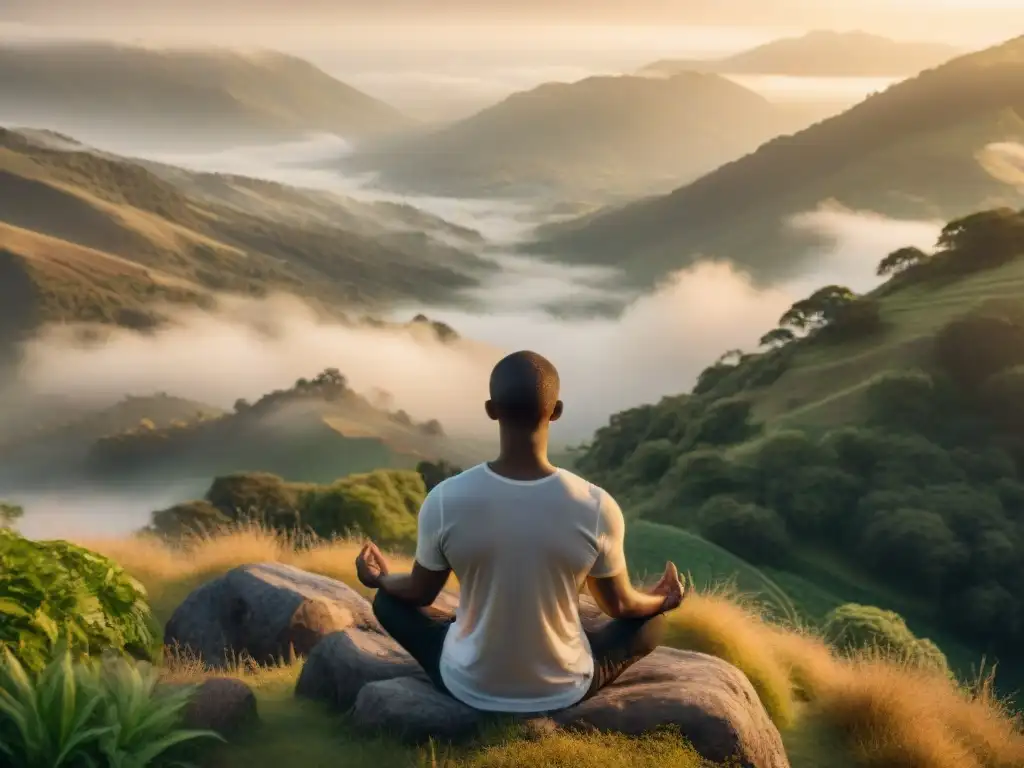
672,588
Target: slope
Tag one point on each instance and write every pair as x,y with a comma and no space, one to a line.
135,96
878,456
96,238
821,53
911,151
602,136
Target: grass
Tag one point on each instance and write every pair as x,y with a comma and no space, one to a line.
861,712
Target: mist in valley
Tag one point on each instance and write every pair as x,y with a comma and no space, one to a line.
653,344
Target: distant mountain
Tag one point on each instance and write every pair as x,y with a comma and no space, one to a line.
819,54
102,92
921,149
91,237
602,136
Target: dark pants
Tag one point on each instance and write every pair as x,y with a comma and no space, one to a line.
617,645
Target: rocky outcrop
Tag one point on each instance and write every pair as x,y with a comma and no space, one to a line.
265,612
353,666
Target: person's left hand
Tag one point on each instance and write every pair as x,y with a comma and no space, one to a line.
371,566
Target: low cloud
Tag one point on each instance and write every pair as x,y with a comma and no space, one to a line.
657,346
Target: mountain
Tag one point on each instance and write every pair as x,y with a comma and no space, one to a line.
602,136
119,95
819,54
923,149
90,237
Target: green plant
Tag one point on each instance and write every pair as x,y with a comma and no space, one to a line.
109,714
49,721
54,593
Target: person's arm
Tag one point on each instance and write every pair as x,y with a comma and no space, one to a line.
430,571
419,588
609,582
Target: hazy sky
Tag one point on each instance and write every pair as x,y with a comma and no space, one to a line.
967,21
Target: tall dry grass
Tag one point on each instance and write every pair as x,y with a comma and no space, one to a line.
888,715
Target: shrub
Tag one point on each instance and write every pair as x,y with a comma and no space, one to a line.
903,400
109,714
725,422
381,505
54,592
699,475
853,627
650,461
191,518
755,533
973,348
913,546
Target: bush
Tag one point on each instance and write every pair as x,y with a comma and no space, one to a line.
725,422
971,349
905,400
914,547
853,627
699,475
53,592
191,518
650,461
110,714
756,534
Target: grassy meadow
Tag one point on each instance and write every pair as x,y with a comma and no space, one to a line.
860,711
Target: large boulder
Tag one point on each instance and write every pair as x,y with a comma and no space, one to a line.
266,612
709,701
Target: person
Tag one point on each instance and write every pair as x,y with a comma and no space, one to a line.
522,537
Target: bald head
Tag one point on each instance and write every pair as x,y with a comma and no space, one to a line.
524,391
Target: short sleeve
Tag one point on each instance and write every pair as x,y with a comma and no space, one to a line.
428,533
611,538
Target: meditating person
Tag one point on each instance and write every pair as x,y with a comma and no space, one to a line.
523,537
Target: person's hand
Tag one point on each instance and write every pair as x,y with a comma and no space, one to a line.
371,566
672,588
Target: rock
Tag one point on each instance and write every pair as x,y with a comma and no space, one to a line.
264,611
709,701
224,705
342,663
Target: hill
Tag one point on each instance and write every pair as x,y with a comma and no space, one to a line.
915,151
187,98
315,431
90,237
874,448
820,53
602,136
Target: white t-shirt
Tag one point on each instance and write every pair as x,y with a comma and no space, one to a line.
522,550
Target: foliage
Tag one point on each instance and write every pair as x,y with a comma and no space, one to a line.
433,473
777,337
108,713
10,514
818,309
53,592
755,533
382,504
853,627
901,260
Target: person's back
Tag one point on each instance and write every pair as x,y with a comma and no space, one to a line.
522,551
523,537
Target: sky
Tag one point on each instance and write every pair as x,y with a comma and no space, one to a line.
966,21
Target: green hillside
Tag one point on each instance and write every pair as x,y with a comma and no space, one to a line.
315,431
598,138
915,151
873,453
821,53
143,96
86,236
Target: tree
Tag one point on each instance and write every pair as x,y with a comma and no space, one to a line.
900,261
987,238
818,309
777,337
731,357
331,377
10,514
